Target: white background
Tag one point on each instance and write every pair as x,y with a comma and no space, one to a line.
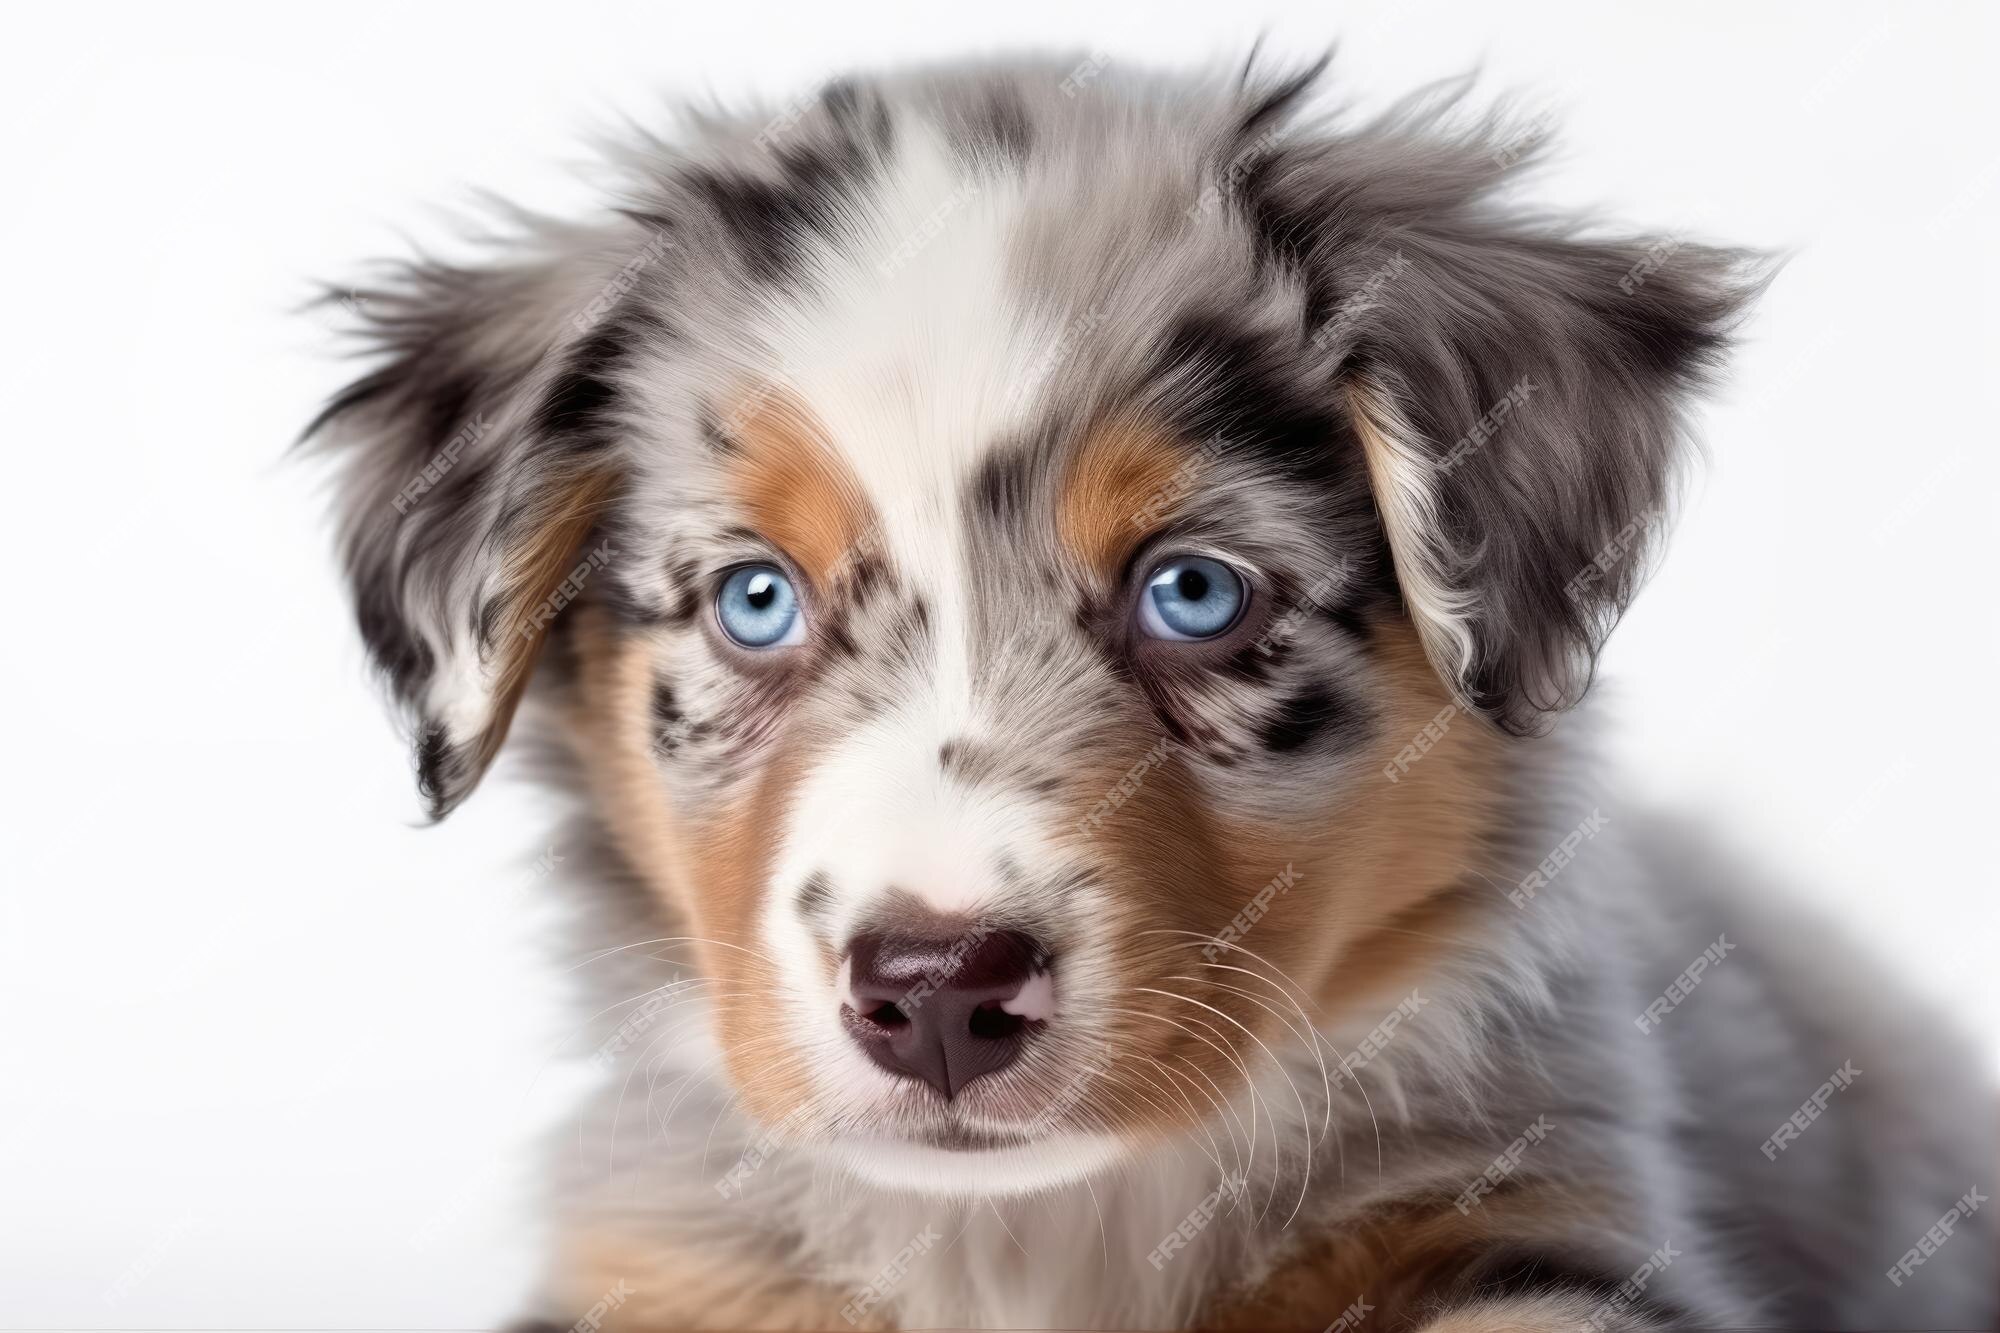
272,1051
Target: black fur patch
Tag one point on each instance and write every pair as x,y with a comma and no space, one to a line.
861,115
1280,99
685,578
669,723
1003,484
1237,384
397,649
969,762
625,605
840,643
1303,718
770,219
999,128
815,895
440,771
578,405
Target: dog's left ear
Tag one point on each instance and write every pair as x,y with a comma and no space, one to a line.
1518,390
479,460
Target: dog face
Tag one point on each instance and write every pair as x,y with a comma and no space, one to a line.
1041,575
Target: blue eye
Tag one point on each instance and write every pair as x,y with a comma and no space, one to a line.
1190,597
756,608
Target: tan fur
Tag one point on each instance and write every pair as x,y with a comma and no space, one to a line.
1382,859
1399,848
706,871
657,1289
1120,481
1153,851
530,573
794,488
1397,1261
1381,863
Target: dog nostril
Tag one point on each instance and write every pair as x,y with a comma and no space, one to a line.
991,1022
946,1007
888,1016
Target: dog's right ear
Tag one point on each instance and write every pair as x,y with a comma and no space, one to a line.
479,457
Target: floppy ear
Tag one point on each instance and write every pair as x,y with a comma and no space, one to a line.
1518,390
479,457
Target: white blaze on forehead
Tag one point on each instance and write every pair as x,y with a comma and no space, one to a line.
913,353
916,355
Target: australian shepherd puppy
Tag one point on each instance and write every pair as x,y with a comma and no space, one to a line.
1050,588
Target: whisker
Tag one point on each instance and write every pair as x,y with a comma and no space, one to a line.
1305,1116
765,959
1311,1041
1228,1053
1234,947
1327,1120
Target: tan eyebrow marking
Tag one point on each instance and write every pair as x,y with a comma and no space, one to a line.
794,486
1125,478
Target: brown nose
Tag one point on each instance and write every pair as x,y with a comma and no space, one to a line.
945,1009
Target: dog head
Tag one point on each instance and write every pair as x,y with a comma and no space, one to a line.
1048,567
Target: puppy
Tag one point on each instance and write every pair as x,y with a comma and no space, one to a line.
1049,589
